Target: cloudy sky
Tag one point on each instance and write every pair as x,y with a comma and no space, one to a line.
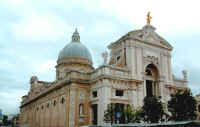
32,32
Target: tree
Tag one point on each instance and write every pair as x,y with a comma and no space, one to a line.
137,116
132,115
182,106
5,119
152,110
109,114
128,113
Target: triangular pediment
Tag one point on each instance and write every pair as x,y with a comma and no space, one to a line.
145,35
149,36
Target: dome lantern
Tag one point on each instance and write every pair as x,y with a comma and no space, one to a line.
75,36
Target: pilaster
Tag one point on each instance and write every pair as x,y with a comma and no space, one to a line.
104,100
72,109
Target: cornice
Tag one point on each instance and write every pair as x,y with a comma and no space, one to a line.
172,86
73,59
67,82
46,91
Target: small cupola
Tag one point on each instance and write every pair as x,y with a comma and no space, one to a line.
75,36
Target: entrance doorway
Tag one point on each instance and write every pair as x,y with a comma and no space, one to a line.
151,81
94,114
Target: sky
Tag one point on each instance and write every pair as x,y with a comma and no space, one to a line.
32,32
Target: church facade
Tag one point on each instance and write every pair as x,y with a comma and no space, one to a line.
138,65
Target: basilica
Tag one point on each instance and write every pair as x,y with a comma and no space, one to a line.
138,64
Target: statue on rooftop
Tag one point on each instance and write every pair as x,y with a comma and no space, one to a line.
149,18
105,57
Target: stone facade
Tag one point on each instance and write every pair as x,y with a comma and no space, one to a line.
197,97
139,65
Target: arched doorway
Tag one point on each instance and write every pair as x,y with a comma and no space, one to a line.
151,80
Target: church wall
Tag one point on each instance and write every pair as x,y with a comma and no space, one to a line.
53,116
79,95
106,95
152,50
136,51
140,95
94,100
164,65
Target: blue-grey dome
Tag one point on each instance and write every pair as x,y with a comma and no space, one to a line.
75,48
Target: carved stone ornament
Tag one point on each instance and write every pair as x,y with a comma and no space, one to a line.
105,57
34,80
151,60
121,86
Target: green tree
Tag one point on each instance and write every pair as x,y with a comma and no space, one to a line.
152,110
132,115
5,119
128,113
137,116
182,106
109,114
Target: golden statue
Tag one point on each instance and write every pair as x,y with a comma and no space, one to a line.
148,18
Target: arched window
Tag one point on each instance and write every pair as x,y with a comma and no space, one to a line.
81,112
62,100
54,103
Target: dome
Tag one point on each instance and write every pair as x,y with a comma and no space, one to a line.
75,48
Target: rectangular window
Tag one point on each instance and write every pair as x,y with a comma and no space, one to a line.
119,93
94,94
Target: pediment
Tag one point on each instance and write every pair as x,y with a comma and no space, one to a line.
145,35
149,36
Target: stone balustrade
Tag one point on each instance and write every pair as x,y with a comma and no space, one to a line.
101,71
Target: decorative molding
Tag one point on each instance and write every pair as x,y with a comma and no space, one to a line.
151,60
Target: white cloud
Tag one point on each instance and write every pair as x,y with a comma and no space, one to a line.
10,102
46,66
40,27
14,2
169,16
101,28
